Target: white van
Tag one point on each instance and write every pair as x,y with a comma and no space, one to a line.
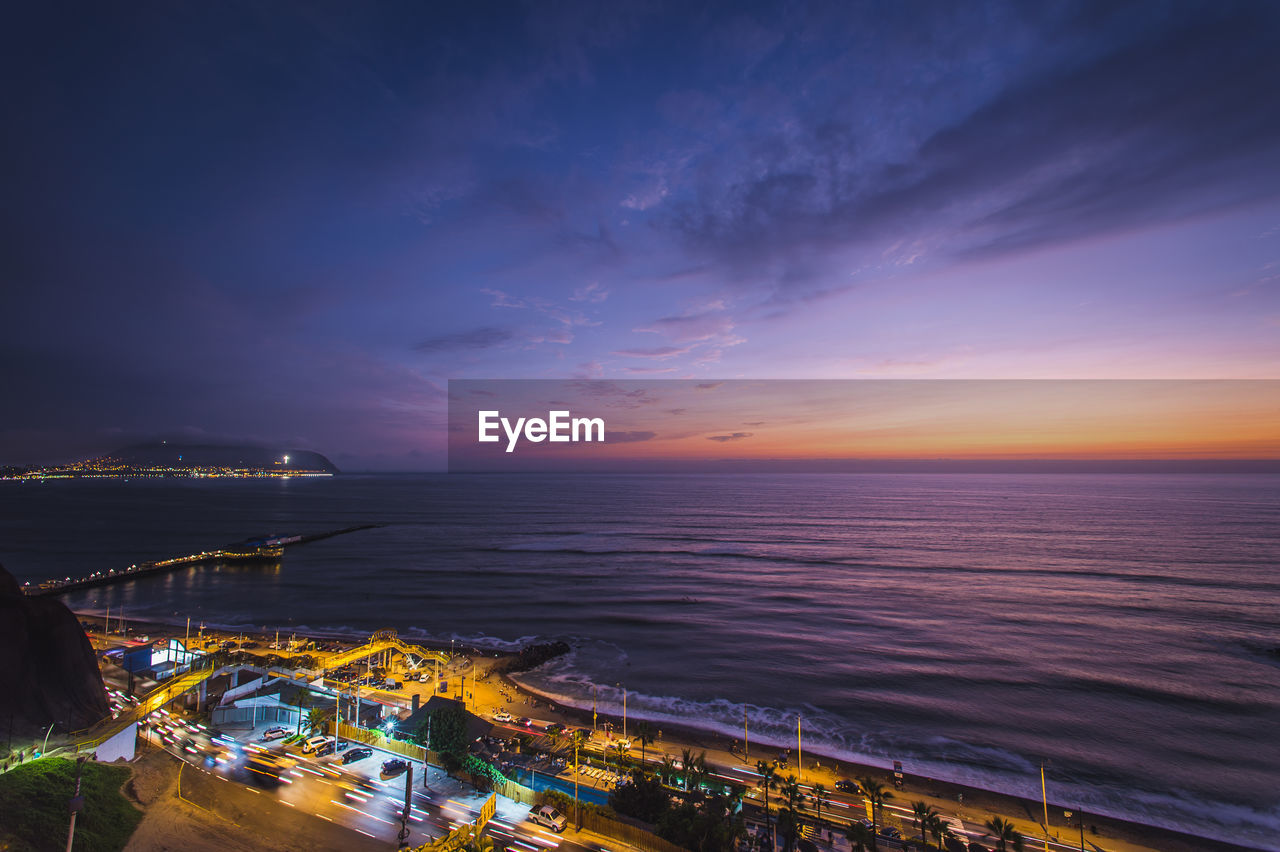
313,743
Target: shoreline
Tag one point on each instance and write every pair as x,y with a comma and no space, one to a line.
972,803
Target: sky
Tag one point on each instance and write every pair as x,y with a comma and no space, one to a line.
294,223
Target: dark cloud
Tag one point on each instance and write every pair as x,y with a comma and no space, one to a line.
486,337
736,436
1166,120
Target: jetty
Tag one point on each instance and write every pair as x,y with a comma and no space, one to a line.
267,549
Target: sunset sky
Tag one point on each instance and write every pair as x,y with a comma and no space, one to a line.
293,223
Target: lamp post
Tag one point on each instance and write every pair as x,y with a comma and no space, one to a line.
46,738
77,802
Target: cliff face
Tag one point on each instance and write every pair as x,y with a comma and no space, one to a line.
48,671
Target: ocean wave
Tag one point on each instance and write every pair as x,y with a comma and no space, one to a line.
827,736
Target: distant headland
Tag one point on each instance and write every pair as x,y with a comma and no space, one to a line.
163,459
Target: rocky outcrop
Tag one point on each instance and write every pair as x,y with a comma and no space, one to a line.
48,670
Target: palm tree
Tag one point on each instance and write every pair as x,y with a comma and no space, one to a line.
1006,836
645,734
921,812
686,765
877,795
938,828
317,718
860,837
793,794
819,792
667,769
699,772
768,780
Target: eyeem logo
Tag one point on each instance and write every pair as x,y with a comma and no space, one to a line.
559,427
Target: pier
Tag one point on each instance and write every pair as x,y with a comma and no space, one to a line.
269,549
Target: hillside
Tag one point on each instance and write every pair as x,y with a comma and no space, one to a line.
170,454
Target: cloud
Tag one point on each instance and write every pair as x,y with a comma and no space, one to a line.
1150,125
659,352
486,337
736,436
592,292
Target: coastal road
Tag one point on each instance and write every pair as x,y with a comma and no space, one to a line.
360,798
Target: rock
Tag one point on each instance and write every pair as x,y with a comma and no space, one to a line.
48,670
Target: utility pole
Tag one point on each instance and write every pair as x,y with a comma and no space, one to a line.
1045,797
746,743
799,749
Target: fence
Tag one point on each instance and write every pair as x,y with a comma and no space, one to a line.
517,793
627,833
379,740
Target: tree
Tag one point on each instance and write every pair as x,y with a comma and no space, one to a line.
1006,836
860,837
768,780
317,718
877,795
819,798
939,829
686,765
643,798
921,813
667,769
789,821
645,733
447,727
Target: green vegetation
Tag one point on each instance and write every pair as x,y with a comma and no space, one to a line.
1006,836
33,799
709,822
448,731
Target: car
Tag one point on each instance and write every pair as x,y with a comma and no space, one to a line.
554,728
844,785
357,753
394,766
424,677
888,832
331,747
525,722
503,716
315,743
549,817
275,733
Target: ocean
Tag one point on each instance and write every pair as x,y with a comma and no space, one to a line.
1122,629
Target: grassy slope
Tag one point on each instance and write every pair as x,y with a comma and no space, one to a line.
33,807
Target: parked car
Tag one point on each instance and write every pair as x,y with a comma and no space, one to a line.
889,833
357,753
547,816
394,766
275,733
503,716
331,747
314,743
